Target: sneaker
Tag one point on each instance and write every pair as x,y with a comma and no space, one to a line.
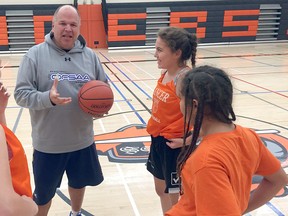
78,214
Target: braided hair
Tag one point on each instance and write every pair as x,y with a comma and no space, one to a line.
180,39
213,90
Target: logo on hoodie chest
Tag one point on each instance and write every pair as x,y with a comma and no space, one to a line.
71,77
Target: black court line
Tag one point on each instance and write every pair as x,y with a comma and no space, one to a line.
12,66
245,56
269,123
242,56
121,113
208,57
223,55
67,200
266,101
118,78
269,90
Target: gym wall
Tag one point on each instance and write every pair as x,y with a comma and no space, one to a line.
118,24
22,26
230,21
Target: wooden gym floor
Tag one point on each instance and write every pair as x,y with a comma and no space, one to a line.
260,76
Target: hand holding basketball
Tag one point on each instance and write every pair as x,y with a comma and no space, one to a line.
95,98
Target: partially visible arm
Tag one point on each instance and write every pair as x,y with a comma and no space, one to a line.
178,142
26,92
274,179
267,189
4,96
11,204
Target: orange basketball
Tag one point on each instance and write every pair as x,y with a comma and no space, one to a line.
95,97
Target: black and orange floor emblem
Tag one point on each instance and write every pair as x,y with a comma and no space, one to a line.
129,144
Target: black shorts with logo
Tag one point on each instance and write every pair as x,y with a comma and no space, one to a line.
82,168
162,162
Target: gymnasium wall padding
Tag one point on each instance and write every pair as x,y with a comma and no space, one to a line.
92,25
129,24
42,26
3,33
220,21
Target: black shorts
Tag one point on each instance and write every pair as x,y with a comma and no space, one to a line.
162,162
82,169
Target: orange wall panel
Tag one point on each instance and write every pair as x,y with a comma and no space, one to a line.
3,31
90,12
98,15
92,25
96,33
83,11
39,32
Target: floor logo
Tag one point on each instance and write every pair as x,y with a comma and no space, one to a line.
131,144
278,145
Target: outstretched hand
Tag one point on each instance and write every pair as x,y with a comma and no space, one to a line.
4,96
55,96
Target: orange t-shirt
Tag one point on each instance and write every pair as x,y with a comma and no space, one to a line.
217,177
18,164
166,118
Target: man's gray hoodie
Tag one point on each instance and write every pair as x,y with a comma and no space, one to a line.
60,128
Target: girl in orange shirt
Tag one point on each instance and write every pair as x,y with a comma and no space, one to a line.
216,173
174,47
15,193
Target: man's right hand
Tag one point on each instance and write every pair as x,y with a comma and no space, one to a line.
55,96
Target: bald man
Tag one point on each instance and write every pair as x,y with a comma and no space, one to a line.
49,78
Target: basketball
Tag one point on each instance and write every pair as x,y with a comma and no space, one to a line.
95,97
